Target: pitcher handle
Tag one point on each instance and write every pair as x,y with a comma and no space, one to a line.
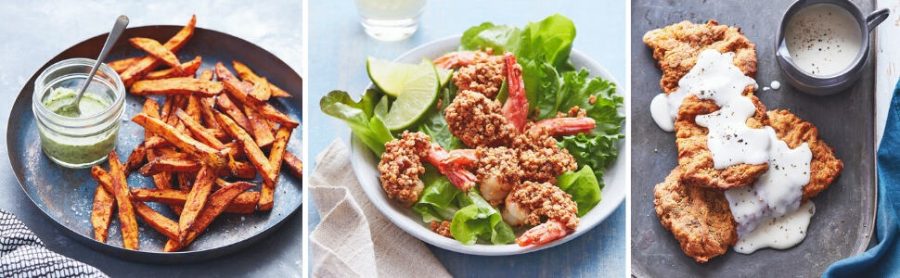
876,18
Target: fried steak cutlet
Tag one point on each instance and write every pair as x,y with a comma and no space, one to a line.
695,158
699,218
676,47
824,167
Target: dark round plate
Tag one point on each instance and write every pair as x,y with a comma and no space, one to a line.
66,195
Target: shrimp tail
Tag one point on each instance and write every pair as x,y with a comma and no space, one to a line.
516,107
459,176
543,233
454,60
566,126
462,158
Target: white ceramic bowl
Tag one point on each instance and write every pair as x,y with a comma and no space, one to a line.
364,164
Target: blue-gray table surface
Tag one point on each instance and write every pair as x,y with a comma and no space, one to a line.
339,47
35,31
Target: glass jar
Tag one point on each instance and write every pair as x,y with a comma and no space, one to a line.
72,140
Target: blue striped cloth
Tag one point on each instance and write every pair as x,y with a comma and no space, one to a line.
883,260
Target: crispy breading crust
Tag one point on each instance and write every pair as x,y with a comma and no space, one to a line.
441,228
401,166
500,164
694,157
824,167
544,200
477,122
699,218
676,47
540,157
484,75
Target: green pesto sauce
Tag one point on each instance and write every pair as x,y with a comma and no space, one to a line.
77,150
60,100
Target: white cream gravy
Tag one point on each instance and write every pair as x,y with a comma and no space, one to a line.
823,39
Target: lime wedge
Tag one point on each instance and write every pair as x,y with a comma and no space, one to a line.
393,78
420,86
444,76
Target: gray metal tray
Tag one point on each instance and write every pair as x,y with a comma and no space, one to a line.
66,195
845,213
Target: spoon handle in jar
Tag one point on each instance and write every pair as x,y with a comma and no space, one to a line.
118,28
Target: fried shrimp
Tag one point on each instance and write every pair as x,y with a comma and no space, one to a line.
498,172
477,122
484,75
530,202
401,165
540,157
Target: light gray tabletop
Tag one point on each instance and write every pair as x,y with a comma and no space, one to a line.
35,31
339,47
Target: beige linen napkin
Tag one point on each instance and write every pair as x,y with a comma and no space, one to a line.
354,239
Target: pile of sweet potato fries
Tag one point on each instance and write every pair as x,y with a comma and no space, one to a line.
211,128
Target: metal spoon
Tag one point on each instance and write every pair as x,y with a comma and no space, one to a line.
117,30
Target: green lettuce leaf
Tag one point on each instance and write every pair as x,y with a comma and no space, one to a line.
439,198
359,116
479,220
547,40
583,187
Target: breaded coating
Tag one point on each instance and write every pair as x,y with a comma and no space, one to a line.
545,201
484,75
541,158
699,218
824,167
441,228
497,171
676,47
401,166
477,122
694,157
499,162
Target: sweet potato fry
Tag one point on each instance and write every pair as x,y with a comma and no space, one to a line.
176,86
195,202
240,91
261,91
199,132
240,169
205,153
101,213
248,75
166,111
157,50
276,155
254,154
122,64
157,221
170,165
217,203
259,127
294,164
148,63
127,219
188,68
244,203
206,75
193,107
206,107
227,106
135,159
103,178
